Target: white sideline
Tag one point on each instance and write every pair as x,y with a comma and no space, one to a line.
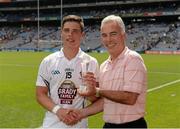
18,65
165,72
164,85
29,65
149,90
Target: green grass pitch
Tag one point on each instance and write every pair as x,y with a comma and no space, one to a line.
18,106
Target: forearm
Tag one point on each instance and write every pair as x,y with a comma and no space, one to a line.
44,100
119,96
93,108
92,99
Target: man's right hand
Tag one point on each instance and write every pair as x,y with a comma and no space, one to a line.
69,116
90,82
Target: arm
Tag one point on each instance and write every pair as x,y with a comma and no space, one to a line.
92,109
123,97
134,82
93,98
44,100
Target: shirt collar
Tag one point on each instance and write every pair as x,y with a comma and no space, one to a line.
121,55
79,54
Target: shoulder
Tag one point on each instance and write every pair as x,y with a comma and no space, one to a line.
50,57
131,55
103,64
88,57
134,60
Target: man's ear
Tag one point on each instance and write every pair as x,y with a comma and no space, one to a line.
124,36
83,35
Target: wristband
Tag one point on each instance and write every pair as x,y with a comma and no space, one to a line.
55,109
97,92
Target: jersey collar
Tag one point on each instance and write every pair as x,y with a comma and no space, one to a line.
79,54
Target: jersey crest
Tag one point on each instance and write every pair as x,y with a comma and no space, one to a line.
67,92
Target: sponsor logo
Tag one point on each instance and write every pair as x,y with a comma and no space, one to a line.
67,92
54,72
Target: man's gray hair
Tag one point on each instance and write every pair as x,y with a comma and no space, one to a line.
115,18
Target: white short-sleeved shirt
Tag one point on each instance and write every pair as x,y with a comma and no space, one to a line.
63,77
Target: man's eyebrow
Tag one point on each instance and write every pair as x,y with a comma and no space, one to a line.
113,32
76,29
72,29
65,28
103,33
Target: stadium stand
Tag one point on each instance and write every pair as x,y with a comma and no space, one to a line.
150,24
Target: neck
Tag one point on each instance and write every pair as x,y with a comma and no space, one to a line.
70,53
116,54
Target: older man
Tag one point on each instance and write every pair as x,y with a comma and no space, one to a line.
122,80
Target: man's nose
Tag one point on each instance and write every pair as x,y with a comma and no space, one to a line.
70,32
108,38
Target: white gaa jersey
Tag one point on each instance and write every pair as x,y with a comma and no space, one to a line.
63,77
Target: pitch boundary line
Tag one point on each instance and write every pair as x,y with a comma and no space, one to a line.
164,85
21,65
18,65
149,90
164,72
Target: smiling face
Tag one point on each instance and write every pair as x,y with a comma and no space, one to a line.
71,35
113,38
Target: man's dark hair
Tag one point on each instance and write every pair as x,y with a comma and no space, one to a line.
73,18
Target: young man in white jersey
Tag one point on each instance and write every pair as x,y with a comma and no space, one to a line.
60,75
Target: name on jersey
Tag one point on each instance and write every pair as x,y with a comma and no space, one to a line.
69,70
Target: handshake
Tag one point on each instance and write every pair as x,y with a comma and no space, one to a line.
70,116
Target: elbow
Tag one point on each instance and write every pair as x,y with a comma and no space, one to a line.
38,98
41,93
128,102
132,102
131,99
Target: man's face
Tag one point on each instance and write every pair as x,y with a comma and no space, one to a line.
71,35
112,37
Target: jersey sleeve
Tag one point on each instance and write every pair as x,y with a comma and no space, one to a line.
42,77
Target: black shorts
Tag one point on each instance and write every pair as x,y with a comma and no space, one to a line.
140,123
